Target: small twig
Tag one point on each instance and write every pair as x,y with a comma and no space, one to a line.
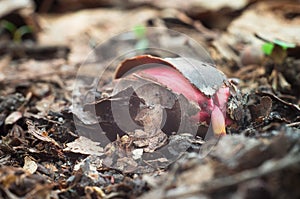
293,124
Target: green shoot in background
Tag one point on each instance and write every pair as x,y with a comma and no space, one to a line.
268,47
140,34
17,33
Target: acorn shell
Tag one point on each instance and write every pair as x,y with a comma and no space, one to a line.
204,76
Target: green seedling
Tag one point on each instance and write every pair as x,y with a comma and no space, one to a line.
276,49
139,31
140,34
269,46
16,32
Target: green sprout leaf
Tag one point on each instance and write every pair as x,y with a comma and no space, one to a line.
17,33
8,26
267,48
283,44
139,31
142,44
20,32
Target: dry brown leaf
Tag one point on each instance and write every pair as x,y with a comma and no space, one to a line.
30,165
39,134
13,117
85,146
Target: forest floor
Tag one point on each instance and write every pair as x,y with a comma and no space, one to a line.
53,53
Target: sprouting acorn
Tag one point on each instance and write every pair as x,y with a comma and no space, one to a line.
197,81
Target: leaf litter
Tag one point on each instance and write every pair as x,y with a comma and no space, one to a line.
42,155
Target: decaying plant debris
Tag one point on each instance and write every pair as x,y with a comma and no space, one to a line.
44,155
